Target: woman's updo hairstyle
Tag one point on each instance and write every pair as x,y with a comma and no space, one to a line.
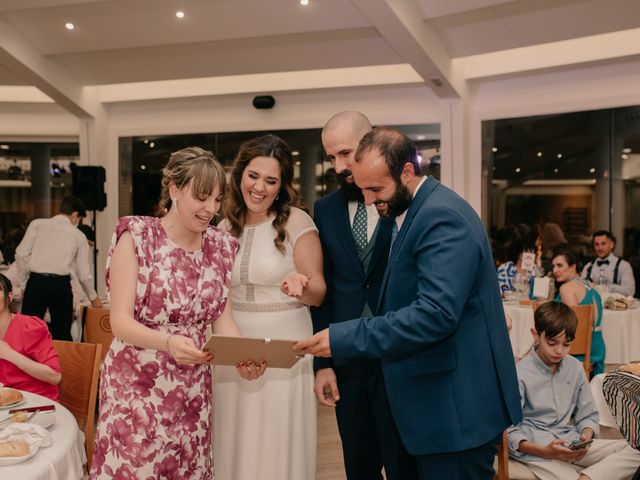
193,165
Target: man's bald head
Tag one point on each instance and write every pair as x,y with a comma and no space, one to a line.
352,122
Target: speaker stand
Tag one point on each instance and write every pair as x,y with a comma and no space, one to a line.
95,252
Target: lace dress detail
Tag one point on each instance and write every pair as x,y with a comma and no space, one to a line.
267,428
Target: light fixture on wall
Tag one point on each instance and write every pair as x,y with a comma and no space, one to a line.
69,26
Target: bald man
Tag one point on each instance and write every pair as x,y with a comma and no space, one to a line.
355,242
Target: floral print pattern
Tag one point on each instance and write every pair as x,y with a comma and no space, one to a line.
155,415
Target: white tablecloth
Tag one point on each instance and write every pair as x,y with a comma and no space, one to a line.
62,460
621,331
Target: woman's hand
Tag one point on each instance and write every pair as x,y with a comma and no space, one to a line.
185,352
249,370
294,284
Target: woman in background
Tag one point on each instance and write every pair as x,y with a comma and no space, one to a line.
28,360
267,430
575,291
168,279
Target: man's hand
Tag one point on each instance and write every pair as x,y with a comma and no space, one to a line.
318,345
96,303
326,387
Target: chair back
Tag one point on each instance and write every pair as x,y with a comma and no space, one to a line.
79,386
582,342
97,327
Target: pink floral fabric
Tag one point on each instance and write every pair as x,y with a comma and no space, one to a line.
155,415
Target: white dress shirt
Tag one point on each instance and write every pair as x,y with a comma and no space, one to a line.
626,284
54,245
400,218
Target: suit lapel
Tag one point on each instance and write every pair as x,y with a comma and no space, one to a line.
427,187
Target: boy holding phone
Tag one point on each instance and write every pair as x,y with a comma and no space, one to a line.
560,418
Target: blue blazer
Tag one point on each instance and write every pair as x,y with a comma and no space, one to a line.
441,334
348,285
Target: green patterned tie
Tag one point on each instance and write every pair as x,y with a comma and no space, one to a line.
359,227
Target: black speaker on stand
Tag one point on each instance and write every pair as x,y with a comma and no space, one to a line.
88,186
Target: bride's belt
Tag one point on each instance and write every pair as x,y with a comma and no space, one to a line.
266,307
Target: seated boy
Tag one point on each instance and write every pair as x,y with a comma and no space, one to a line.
558,408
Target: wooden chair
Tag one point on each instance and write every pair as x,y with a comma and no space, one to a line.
97,327
581,346
79,386
582,342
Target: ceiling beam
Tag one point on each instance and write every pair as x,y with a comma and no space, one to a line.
400,22
561,54
49,77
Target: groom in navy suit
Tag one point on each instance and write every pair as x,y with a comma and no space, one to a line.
440,332
355,243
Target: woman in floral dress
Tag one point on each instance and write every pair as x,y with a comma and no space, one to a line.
168,279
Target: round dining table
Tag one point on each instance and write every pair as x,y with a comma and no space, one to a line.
620,329
63,459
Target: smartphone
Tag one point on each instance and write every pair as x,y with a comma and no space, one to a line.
577,444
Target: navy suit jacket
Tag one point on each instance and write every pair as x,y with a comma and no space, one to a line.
441,334
348,285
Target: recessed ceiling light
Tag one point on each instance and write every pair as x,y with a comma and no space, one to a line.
559,155
295,153
626,150
143,167
152,144
555,170
69,26
494,149
421,137
146,140
180,14
4,147
539,154
518,170
304,2
592,170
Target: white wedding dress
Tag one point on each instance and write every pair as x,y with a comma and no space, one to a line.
266,429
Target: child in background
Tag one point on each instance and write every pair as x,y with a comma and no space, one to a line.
558,409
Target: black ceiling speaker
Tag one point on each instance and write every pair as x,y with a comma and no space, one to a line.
263,102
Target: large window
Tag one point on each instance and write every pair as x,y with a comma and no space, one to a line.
142,160
34,177
561,177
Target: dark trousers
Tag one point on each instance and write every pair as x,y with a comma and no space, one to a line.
51,292
369,436
473,464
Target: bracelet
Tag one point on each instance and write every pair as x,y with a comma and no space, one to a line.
167,342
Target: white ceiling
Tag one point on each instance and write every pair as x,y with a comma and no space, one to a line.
123,41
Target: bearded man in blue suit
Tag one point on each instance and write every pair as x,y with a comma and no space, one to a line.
440,331
355,248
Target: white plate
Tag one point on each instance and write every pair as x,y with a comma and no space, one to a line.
12,460
11,405
19,402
